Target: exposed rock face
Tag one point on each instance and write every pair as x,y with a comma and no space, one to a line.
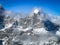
1,17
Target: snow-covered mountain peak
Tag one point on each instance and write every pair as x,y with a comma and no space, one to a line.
36,11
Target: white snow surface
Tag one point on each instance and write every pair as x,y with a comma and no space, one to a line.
36,11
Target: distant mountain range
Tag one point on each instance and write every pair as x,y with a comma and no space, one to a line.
36,28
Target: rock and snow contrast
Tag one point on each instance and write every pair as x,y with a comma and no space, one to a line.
37,28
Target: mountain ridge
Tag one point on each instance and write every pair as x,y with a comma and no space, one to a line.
38,28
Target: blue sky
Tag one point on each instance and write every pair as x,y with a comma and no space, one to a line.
49,6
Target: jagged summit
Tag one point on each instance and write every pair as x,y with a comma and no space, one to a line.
36,11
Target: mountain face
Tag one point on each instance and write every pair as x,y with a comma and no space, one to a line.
38,28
